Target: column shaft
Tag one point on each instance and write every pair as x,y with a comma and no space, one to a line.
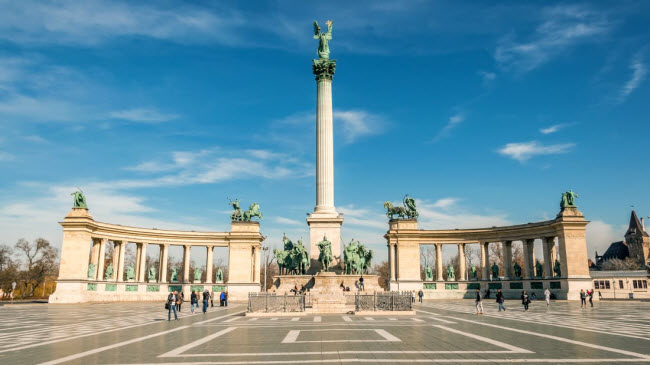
94,256
439,269
102,256
142,272
324,148
164,253
208,264
528,247
138,253
391,262
120,261
461,262
485,261
186,263
507,259
256,265
548,264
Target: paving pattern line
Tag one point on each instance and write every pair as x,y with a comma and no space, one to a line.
513,349
389,361
180,350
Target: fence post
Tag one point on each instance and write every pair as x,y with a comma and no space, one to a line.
285,303
374,302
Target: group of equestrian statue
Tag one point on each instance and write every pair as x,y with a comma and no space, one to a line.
294,259
407,211
247,215
356,258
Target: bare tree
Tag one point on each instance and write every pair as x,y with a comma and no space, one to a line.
382,270
8,270
496,256
618,264
40,262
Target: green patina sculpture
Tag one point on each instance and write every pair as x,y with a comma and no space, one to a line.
293,259
409,204
539,269
91,271
325,253
236,214
219,276
556,268
152,274
130,273
407,211
79,200
495,271
517,270
568,199
197,274
428,274
109,272
323,40
473,271
174,276
391,211
245,216
356,258
450,273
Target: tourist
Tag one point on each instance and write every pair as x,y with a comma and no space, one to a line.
361,286
420,295
171,306
500,300
583,298
479,302
179,300
342,286
525,300
547,297
212,299
206,298
222,298
590,293
226,299
600,295
194,301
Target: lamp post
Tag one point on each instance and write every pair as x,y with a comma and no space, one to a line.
265,249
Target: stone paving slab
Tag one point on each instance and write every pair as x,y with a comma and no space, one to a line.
440,332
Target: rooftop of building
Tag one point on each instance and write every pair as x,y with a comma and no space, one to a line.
619,274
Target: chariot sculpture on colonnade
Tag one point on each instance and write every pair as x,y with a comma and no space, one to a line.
407,211
244,216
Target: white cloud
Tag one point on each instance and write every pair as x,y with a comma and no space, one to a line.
445,203
446,213
289,221
600,235
487,76
523,151
552,129
358,123
562,27
452,123
143,115
639,72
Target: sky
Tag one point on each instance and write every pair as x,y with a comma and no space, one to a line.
485,112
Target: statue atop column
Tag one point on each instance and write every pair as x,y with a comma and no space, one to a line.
325,253
79,200
568,200
409,209
245,216
323,40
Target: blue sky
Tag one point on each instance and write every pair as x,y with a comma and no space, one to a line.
485,112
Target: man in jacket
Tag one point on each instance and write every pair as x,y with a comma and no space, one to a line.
420,295
171,304
479,302
222,298
206,298
500,300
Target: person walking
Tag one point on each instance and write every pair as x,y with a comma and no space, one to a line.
525,300
583,298
420,295
412,296
590,293
500,300
171,305
362,287
479,302
206,298
600,295
194,301
547,297
212,299
179,300
222,298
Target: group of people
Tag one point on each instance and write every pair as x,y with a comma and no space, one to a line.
526,299
588,294
175,301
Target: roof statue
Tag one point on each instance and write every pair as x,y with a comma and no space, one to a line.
408,211
568,200
79,200
323,40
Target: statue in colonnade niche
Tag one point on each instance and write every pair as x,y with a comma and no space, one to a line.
79,200
219,276
91,271
556,268
428,274
495,271
473,271
325,253
130,273
450,273
197,274
517,270
174,276
539,268
152,274
109,272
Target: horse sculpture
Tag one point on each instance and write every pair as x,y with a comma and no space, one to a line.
293,260
253,211
391,211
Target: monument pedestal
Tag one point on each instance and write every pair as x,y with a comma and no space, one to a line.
324,225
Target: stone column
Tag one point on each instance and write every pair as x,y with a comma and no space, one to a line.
94,256
553,249
138,253
462,275
164,253
485,260
439,269
120,261
208,264
186,263
256,265
143,263
547,242
102,257
528,247
506,246
391,261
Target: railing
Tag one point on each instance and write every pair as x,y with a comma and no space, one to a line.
388,301
270,302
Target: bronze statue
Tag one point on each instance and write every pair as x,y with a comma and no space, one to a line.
79,200
323,40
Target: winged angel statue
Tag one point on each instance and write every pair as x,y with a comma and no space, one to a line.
323,38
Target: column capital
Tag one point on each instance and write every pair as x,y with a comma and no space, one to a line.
324,69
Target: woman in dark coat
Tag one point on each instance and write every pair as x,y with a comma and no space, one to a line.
525,300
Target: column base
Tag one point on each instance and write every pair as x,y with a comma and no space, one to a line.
324,225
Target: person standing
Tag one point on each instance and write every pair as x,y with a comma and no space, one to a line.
179,300
583,299
361,286
171,304
500,300
600,295
420,295
412,296
591,297
194,301
547,297
222,298
525,300
225,301
479,302
206,298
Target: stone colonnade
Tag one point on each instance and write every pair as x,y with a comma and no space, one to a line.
404,240
82,234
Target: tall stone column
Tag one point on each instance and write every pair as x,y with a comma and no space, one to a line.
256,265
439,269
391,261
138,253
507,259
208,264
142,272
485,260
102,257
528,248
186,263
325,221
164,253
547,244
462,275
120,261
94,256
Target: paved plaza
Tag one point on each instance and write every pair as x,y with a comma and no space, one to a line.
441,332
